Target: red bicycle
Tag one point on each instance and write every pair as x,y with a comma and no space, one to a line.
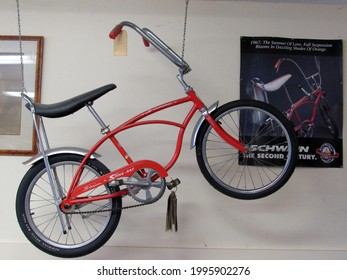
302,112
69,203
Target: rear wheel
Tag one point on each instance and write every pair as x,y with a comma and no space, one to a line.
272,150
88,226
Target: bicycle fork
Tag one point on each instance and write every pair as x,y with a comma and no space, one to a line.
205,113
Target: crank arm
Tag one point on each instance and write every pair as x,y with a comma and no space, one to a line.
138,184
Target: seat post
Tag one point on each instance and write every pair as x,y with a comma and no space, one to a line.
104,128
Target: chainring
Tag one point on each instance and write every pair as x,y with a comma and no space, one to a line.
146,185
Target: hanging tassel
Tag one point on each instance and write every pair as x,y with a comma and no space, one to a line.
171,213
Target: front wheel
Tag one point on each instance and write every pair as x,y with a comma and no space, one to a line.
86,228
271,155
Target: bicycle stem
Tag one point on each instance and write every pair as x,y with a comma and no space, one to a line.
186,87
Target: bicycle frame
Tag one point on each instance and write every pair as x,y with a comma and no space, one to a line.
75,191
74,194
313,100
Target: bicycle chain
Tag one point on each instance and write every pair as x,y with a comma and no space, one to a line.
112,209
174,182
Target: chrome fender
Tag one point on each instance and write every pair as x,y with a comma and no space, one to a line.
210,109
57,151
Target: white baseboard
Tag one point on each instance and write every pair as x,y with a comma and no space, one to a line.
24,251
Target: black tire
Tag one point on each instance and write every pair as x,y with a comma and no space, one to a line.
37,213
328,118
270,138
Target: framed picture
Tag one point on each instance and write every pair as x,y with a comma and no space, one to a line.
17,135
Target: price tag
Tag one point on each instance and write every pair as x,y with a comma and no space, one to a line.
121,44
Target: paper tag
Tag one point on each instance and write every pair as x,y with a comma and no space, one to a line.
121,44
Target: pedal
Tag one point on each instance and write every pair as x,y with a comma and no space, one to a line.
173,184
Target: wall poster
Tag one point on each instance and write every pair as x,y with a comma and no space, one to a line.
303,79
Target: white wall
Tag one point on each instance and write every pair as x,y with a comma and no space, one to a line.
306,219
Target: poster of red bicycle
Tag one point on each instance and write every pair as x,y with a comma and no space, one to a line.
303,79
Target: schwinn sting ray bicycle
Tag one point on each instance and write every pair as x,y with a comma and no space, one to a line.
69,203
302,112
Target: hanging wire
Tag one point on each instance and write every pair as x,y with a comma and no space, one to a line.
185,28
20,47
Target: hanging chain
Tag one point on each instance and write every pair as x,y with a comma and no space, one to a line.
20,47
185,28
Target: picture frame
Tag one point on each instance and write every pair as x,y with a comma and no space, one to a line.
17,134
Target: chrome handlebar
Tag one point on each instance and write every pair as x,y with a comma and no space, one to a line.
150,38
